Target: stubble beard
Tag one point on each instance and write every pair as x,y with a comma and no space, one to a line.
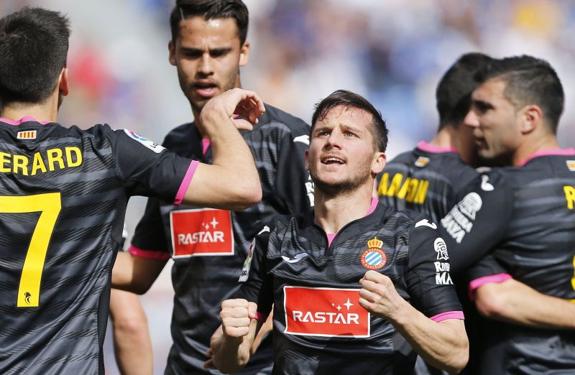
330,190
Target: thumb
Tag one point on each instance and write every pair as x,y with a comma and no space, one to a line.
252,310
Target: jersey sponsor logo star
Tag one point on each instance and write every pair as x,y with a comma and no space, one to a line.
373,258
201,232
327,312
144,141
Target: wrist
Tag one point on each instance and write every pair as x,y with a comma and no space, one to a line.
401,315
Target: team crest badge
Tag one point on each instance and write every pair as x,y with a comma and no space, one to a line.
571,165
421,161
373,258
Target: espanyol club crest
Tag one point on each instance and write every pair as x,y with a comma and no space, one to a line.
373,258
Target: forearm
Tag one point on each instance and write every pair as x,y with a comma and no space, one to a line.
132,343
442,344
135,274
515,302
230,354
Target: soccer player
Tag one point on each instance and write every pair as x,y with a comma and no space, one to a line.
427,178
350,281
525,213
208,47
63,195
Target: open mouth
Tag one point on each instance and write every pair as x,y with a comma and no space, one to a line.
205,89
330,160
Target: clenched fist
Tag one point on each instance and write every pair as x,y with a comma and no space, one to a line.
236,316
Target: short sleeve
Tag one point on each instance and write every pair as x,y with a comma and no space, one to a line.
148,169
149,240
428,276
256,282
293,182
488,270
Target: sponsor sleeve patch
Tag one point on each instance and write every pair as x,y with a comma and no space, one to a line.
144,141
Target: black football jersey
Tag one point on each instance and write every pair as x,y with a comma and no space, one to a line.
531,231
209,246
426,179
63,195
313,285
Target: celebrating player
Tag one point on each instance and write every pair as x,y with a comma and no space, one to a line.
208,246
525,214
428,178
63,195
352,280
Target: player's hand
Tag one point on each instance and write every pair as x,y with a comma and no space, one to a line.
243,107
379,296
236,316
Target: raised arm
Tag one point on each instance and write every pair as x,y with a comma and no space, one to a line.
232,180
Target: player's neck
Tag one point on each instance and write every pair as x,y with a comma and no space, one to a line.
533,145
46,111
444,138
333,212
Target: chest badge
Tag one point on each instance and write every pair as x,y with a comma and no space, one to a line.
373,258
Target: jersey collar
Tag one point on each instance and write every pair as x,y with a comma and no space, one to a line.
549,152
21,121
428,147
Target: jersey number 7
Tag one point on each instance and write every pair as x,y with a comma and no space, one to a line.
49,205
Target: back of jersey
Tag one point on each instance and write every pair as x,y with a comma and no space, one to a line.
61,209
425,180
539,245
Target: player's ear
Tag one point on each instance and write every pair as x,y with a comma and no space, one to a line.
532,116
63,87
244,53
172,52
378,163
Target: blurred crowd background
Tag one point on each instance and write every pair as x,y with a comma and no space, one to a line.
391,51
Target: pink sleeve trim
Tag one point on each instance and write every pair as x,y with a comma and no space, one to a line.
205,145
149,254
479,282
448,315
186,182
